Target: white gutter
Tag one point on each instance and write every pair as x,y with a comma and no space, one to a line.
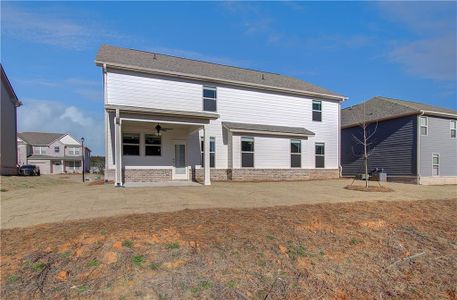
430,112
269,132
418,151
233,82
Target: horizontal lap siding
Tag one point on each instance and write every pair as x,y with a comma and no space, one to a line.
234,105
136,89
393,148
438,141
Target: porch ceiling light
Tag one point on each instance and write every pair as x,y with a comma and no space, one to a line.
158,129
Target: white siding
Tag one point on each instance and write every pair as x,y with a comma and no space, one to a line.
136,89
69,140
234,105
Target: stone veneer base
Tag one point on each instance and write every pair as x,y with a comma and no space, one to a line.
155,175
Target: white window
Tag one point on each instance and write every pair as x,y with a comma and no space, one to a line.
320,155
247,152
453,129
424,125
41,150
435,164
153,145
131,144
73,151
212,151
209,98
295,153
317,110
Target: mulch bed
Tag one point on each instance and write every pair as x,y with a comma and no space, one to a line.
370,188
361,250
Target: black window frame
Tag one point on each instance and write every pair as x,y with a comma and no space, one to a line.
212,151
317,113
130,145
152,145
209,103
247,154
294,154
319,158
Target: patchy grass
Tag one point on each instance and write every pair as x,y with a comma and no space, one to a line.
127,243
403,250
93,263
138,260
173,245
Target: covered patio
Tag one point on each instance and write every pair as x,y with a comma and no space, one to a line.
147,145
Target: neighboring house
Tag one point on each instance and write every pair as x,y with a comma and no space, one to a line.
170,118
53,153
8,127
412,142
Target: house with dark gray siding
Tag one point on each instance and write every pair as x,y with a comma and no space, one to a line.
8,127
412,142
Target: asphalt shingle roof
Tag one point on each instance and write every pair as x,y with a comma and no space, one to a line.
268,129
154,61
39,138
382,108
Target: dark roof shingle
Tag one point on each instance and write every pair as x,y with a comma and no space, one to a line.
39,138
148,61
383,108
268,129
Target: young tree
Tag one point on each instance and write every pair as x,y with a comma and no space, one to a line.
368,130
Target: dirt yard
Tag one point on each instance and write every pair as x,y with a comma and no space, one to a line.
357,250
27,201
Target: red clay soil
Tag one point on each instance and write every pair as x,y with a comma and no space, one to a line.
362,250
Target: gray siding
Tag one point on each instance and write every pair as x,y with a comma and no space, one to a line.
393,148
438,141
8,145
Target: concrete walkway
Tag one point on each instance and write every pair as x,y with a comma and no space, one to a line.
26,203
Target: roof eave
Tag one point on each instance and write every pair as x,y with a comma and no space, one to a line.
210,79
381,119
439,114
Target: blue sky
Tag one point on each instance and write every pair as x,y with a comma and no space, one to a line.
404,50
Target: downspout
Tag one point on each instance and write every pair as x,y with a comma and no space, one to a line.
106,120
418,152
340,166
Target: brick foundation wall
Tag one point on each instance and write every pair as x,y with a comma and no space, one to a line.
215,174
147,175
109,175
266,174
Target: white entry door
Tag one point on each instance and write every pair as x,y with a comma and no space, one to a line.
179,168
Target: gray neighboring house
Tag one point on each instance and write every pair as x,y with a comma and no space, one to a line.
413,142
8,127
53,153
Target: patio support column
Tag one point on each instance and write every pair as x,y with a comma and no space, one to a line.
206,155
117,148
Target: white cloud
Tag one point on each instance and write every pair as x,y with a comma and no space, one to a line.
52,28
52,116
432,54
433,58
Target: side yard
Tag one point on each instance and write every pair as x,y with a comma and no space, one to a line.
355,250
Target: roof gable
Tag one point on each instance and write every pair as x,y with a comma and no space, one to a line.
69,140
383,108
39,138
155,62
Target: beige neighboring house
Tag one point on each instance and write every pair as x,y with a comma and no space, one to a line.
8,127
53,153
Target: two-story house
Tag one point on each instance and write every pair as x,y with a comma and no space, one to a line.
412,142
8,126
53,153
170,118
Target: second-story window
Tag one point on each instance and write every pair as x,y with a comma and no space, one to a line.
317,110
56,149
41,150
73,151
424,125
209,98
453,129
